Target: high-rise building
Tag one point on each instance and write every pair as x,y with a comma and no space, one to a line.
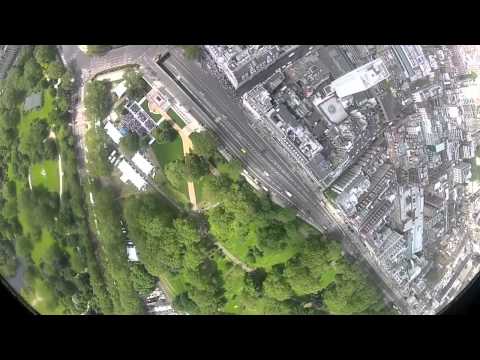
360,79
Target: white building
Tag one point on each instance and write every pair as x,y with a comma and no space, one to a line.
361,79
120,89
129,174
143,164
132,253
113,132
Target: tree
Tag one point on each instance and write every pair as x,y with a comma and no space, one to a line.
130,143
136,85
55,70
165,133
8,260
98,100
351,294
33,143
98,164
196,166
44,54
232,169
276,287
67,81
176,173
32,73
192,52
204,143
143,282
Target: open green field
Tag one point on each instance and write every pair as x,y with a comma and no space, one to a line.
176,118
46,174
166,153
42,299
40,247
41,113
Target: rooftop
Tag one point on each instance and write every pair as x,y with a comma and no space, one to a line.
33,101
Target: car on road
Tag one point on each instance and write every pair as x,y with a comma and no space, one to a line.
288,194
243,150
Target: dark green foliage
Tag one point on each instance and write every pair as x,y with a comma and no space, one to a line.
35,144
176,173
32,73
196,166
98,164
136,85
130,144
143,282
44,54
165,133
55,70
98,100
8,259
232,169
204,143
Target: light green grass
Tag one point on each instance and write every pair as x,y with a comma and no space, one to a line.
41,247
173,284
176,118
42,299
50,180
168,152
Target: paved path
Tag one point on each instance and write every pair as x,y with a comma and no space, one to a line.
235,260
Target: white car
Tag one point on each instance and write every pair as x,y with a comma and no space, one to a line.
288,194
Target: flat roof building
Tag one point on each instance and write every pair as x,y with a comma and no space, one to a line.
142,163
361,79
129,174
113,132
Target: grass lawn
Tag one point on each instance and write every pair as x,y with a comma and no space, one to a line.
46,174
42,113
40,247
204,197
177,119
155,117
173,284
42,299
166,153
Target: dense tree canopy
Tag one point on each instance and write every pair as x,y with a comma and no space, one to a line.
196,166
98,100
204,143
165,133
130,143
44,54
136,85
55,70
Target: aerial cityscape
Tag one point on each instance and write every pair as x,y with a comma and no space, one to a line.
239,179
